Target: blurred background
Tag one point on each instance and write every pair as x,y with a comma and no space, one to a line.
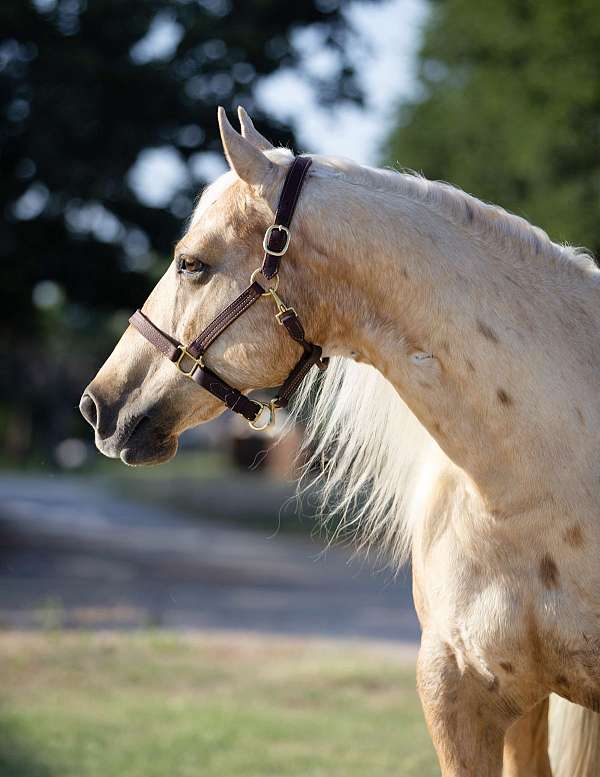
107,135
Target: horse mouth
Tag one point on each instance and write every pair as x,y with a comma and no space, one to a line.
147,446
141,444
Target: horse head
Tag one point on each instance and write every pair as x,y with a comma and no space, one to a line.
138,404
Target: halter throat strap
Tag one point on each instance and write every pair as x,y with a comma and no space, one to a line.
190,359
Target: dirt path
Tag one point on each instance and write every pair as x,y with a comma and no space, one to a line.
75,555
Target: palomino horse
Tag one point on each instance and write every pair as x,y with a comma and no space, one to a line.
459,417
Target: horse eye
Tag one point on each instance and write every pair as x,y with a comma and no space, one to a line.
190,265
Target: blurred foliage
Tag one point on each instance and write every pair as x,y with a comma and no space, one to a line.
82,95
508,108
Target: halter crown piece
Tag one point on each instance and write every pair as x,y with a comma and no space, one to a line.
189,359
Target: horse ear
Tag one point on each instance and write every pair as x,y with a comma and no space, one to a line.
247,161
250,132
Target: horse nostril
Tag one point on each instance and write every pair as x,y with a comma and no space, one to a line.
89,410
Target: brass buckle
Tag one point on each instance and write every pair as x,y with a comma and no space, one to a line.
281,307
264,407
197,363
267,237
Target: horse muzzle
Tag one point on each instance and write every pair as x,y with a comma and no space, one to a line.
132,437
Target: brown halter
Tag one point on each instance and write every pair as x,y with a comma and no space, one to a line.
189,360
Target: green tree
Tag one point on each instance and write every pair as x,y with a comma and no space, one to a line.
82,95
508,108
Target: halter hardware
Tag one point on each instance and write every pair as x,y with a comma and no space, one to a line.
267,239
197,363
282,308
252,410
269,289
265,407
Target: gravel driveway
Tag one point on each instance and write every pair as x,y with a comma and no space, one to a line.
74,554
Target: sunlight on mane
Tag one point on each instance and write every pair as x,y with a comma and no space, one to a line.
375,464
464,210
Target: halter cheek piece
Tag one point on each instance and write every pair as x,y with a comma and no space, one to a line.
190,359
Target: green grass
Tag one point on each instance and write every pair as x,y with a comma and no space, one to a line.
160,705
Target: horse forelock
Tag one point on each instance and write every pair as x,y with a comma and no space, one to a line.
210,194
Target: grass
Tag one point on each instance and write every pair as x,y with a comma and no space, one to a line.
164,705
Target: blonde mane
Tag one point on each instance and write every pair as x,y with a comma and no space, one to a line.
486,221
372,462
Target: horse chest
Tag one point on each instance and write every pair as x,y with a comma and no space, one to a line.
528,625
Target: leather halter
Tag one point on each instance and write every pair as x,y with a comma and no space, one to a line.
189,359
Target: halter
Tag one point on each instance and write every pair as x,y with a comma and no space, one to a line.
189,359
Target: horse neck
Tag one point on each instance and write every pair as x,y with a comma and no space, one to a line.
494,350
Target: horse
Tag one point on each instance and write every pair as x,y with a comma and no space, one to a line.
458,421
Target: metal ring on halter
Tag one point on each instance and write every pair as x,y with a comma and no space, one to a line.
197,363
270,407
269,289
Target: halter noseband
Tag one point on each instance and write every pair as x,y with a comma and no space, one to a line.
189,359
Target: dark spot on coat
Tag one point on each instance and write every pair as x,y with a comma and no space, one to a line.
470,365
487,332
533,639
593,702
580,416
549,572
405,273
507,666
573,536
503,397
561,680
469,213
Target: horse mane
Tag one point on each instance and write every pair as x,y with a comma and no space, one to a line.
487,221
373,463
